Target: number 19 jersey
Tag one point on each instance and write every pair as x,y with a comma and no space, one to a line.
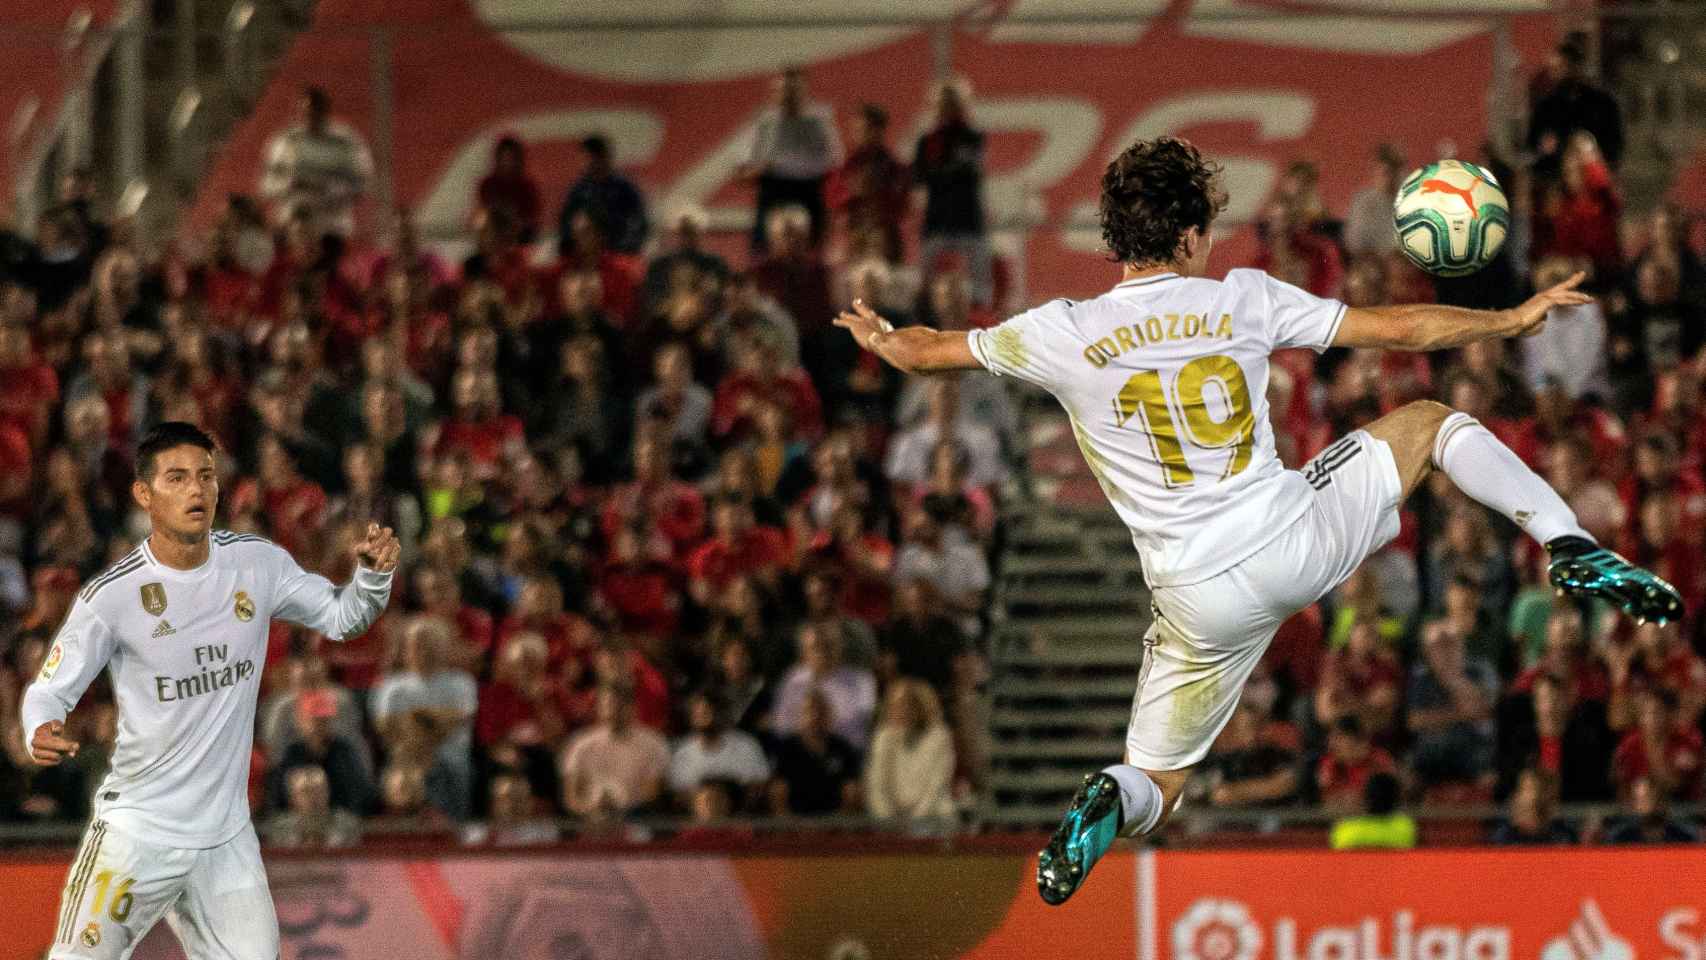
1165,380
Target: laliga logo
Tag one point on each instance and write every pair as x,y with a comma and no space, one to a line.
1589,938
1214,929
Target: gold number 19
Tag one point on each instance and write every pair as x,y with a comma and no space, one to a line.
1144,394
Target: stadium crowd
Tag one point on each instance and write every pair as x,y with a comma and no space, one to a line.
674,546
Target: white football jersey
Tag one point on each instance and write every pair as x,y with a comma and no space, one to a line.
185,649
1166,379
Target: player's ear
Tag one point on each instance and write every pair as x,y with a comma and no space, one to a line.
140,493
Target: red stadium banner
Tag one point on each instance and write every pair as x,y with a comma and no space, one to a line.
1255,84
1558,904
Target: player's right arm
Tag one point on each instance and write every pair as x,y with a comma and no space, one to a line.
909,349
1427,326
79,653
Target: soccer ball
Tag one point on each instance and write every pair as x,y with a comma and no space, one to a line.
1451,218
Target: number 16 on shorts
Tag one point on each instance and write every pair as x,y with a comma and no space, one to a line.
99,900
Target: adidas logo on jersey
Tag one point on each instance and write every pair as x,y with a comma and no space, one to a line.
165,629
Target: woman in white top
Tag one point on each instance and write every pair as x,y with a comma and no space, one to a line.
911,766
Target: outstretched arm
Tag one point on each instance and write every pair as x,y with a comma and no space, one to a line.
911,349
345,612
1429,326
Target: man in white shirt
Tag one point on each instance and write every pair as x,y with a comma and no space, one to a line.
794,147
713,751
1165,381
320,165
181,623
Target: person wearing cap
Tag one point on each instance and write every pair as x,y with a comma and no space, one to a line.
319,745
1574,102
610,198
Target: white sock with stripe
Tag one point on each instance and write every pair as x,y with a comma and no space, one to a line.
1490,474
1140,799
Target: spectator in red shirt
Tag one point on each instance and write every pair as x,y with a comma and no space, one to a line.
1662,747
864,560
1658,468
295,506
539,609
1293,253
1362,681
656,499
107,373
1659,659
478,426
796,277
619,274
525,711
440,595
511,187
619,666
1567,659
1657,543
1578,215
873,184
29,389
1350,760
758,379
738,547
638,588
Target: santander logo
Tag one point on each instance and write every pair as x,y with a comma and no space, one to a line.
1224,929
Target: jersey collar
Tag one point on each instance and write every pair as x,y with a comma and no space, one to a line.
172,573
1146,281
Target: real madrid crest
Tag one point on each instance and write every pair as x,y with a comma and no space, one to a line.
92,935
154,598
244,607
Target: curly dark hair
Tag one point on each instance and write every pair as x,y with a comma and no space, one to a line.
1152,193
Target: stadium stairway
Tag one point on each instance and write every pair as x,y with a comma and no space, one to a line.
1070,609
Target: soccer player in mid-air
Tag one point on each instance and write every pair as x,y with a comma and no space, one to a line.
181,625
1165,379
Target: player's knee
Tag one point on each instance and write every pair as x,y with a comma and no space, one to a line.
1431,413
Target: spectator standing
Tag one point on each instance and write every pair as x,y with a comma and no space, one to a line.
873,184
510,186
911,768
319,166
1368,225
954,568
1450,710
948,164
1573,103
610,198
794,148
337,761
1577,216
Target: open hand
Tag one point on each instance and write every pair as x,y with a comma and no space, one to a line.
1529,318
863,323
49,745
378,552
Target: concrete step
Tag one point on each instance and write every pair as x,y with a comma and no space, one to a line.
1049,782
1072,657
1059,751
1075,689
1105,719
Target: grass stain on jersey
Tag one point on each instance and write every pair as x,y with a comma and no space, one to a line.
1193,702
1008,345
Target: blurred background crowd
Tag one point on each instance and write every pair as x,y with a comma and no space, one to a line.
675,550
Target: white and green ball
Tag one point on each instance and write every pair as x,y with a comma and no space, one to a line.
1451,218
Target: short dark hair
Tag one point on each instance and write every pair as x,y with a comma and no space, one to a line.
1154,192
318,98
164,436
875,116
1380,794
597,145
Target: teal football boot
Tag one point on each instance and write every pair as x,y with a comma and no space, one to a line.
1582,568
1085,833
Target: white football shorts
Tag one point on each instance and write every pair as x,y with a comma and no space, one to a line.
1207,637
216,900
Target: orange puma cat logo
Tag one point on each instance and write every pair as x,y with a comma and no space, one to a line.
1441,186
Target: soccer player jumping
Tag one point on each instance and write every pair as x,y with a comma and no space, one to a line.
1165,379
181,623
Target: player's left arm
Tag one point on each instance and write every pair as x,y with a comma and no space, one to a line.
341,612
909,349
1428,326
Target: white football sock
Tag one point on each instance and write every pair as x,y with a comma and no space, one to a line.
1489,473
1140,799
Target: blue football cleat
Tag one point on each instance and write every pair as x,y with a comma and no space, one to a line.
1088,829
1582,568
